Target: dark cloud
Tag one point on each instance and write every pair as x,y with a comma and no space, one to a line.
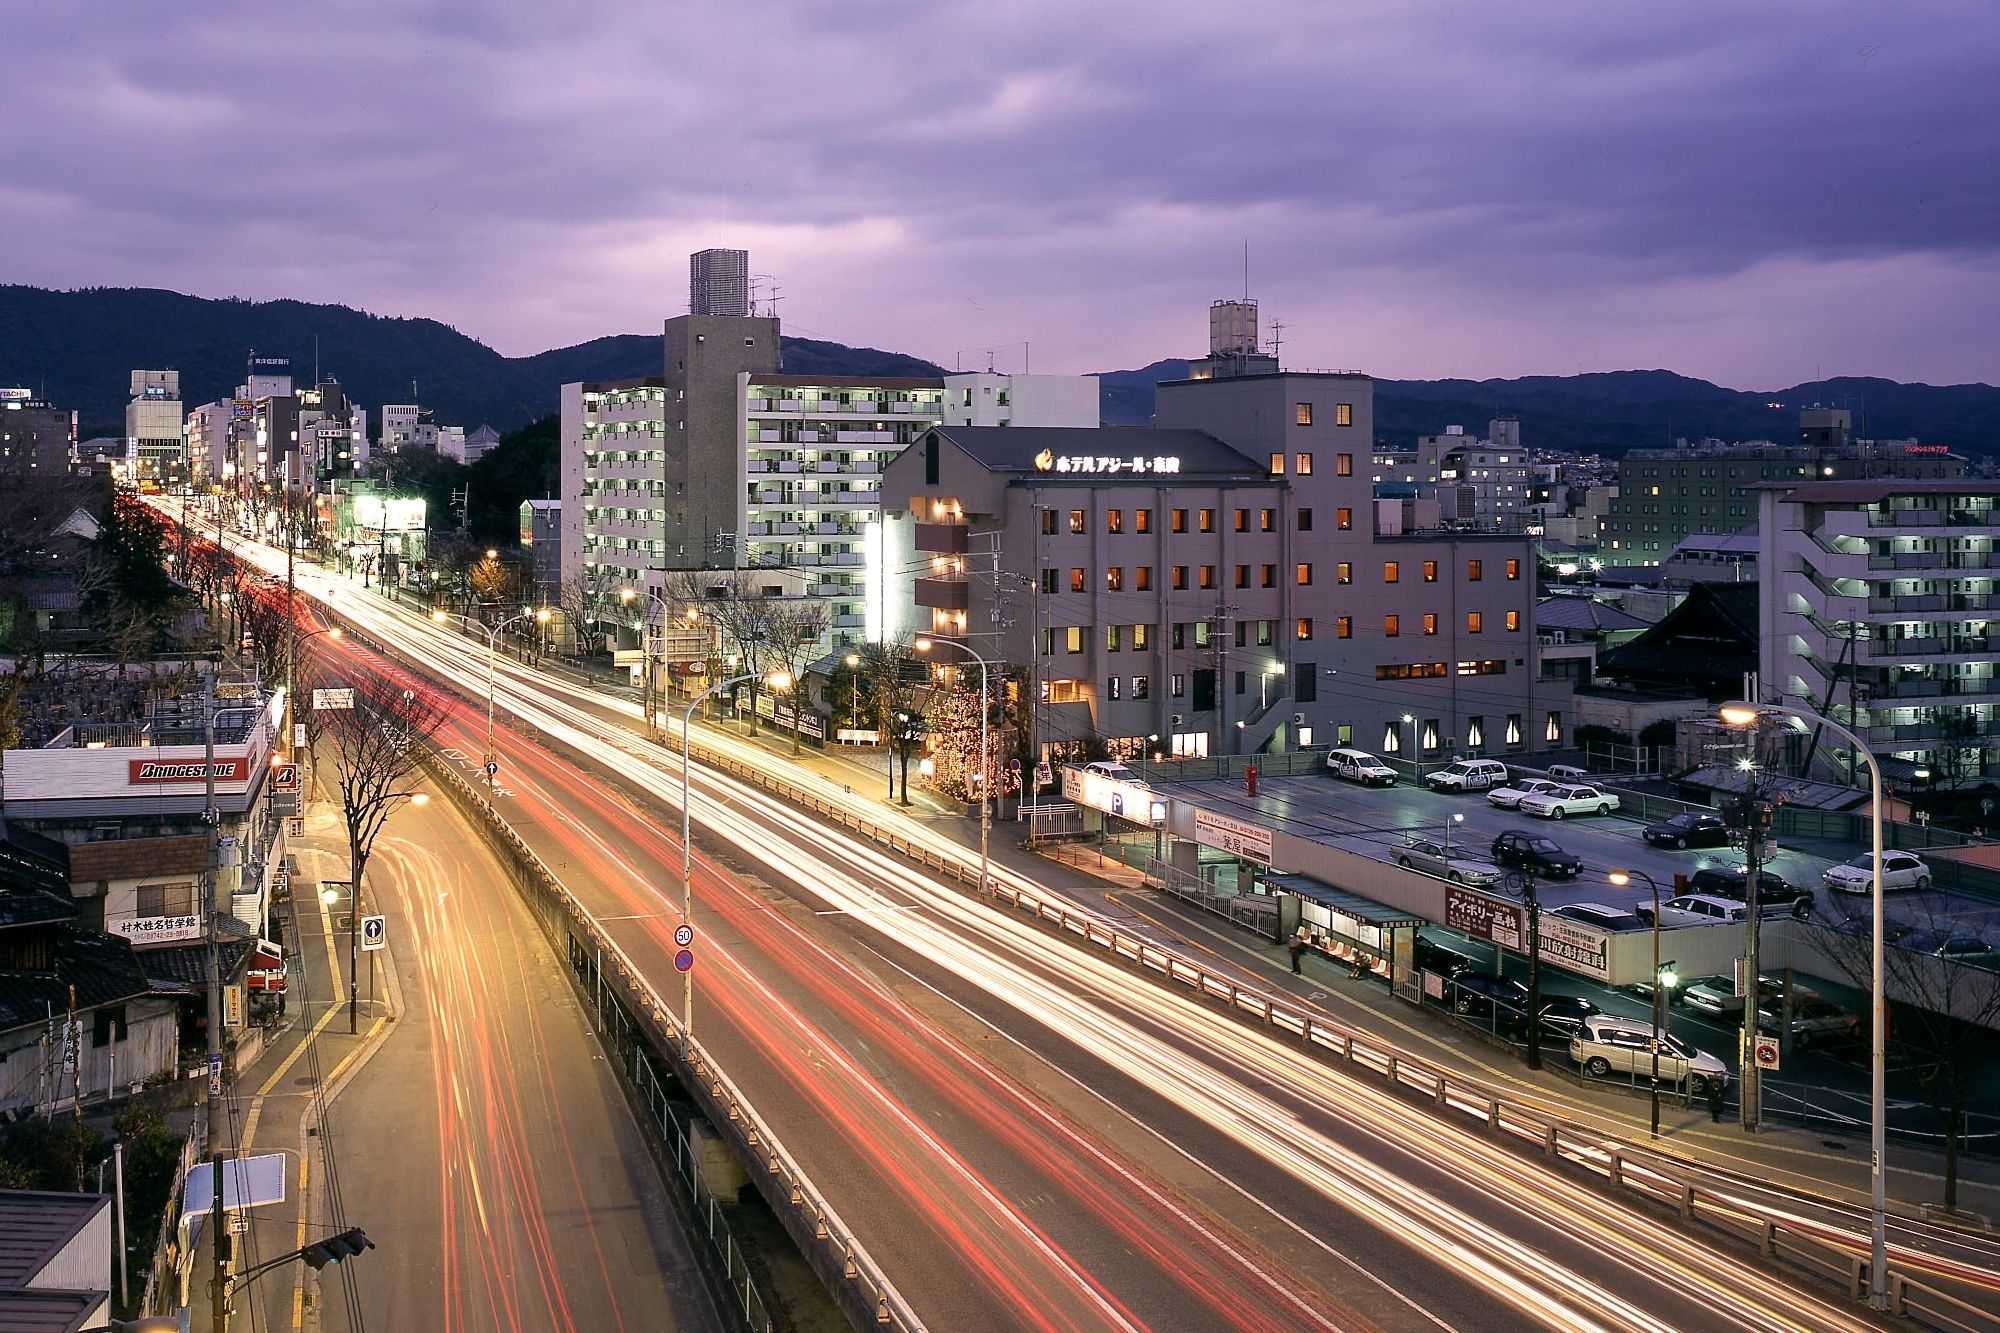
1743,192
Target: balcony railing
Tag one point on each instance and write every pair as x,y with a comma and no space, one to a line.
944,538
947,594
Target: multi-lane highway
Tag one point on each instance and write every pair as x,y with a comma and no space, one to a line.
1025,1135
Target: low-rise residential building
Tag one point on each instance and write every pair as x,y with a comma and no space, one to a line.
1879,609
55,1271
541,536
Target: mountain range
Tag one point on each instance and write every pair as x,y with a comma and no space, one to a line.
77,349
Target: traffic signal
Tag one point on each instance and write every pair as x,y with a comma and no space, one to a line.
335,1248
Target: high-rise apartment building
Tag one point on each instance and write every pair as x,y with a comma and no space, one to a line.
727,463
1478,483
719,283
1879,608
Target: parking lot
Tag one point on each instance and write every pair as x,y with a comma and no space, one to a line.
1375,821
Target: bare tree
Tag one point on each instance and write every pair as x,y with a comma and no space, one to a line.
376,747
590,602
890,689
743,624
794,632
1942,1012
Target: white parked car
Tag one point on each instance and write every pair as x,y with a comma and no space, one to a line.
1693,909
1507,798
1434,858
1568,773
1604,1045
1116,771
1360,766
1900,870
1560,802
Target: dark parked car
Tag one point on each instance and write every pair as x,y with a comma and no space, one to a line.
1862,924
1535,854
1773,894
1430,956
1482,994
1562,1015
1693,828
1968,949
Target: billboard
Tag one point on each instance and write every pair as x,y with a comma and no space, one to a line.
234,769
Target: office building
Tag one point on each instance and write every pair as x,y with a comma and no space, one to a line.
153,439
1879,608
719,283
1225,582
1666,494
1479,483
34,436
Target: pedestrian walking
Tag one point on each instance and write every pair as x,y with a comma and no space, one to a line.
1298,951
1715,1100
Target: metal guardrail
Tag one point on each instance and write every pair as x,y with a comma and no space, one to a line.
1832,1252
637,1022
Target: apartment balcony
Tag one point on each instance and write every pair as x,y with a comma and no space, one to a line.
1931,647
865,436
1976,689
946,594
850,622
767,495
832,529
854,558
944,538
1932,561
1931,733
1932,603
827,589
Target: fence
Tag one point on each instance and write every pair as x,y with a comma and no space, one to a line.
167,1274
1253,912
1835,1252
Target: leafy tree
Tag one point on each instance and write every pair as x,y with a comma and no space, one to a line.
525,465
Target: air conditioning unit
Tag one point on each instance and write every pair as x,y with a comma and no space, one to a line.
1177,720
1298,719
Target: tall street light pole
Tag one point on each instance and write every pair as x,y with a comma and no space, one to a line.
779,681
1662,981
492,632
1411,719
1748,714
354,923
985,756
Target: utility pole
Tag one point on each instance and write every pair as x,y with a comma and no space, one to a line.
1754,815
218,1224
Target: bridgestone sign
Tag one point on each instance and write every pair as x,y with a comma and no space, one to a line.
188,770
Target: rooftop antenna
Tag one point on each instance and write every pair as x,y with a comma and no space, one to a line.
1277,337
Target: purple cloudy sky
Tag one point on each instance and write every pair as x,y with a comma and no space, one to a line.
1757,193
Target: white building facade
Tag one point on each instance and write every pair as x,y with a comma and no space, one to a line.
1879,608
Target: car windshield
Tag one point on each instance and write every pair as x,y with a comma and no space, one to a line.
1545,846
1669,1042
1861,862
1685,821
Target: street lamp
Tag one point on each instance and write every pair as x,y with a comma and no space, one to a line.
985,758
1663,981
291,659
332,896
492,632
778,681
1456,819
1747,714
853,661
1411,720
